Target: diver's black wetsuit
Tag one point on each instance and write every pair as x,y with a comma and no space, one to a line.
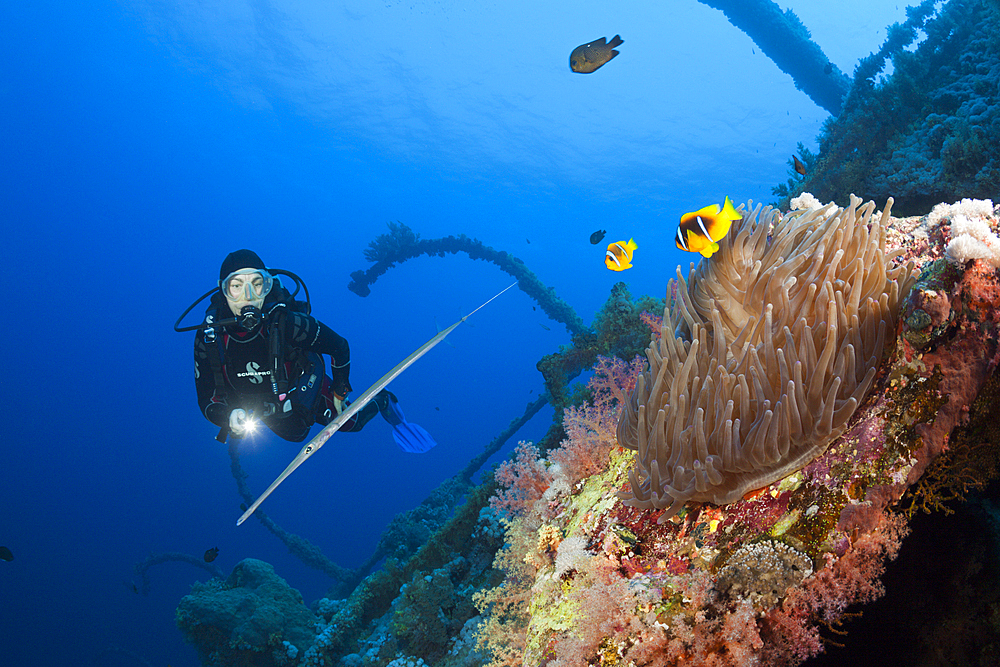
245,379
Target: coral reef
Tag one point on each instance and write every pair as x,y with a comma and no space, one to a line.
431,609
765,579
251,619
927,132
937,610
971,235
762,572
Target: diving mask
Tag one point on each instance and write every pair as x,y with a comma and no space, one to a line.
247,285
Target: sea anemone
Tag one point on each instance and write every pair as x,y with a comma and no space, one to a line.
763,356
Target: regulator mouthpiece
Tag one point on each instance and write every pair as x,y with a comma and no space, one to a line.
249,317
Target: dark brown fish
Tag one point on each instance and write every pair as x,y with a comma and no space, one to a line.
598,236
587,58
799,167
211,554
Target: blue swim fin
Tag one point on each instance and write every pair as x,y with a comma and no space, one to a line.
409,436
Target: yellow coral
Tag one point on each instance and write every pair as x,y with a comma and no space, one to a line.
549,538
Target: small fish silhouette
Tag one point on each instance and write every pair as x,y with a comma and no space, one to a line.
598,236
799,167
211,554
587,58
5,554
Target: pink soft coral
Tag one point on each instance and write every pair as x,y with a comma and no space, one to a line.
522,481
591,427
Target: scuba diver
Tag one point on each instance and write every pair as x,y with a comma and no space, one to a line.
258,358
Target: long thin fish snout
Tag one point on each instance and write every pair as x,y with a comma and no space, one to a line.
313,445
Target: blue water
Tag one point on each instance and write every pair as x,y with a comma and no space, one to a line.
140,142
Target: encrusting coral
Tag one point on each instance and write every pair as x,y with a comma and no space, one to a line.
779,335
763,572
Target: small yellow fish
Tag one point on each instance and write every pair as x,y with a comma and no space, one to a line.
619,255
699,231
586,58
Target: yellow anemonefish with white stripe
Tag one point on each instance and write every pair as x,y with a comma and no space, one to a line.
701,230
619,255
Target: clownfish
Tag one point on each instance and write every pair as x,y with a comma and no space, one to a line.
619,255
699,231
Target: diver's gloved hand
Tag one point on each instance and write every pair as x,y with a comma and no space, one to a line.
338,401
239,422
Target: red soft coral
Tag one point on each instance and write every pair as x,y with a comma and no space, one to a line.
790,629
